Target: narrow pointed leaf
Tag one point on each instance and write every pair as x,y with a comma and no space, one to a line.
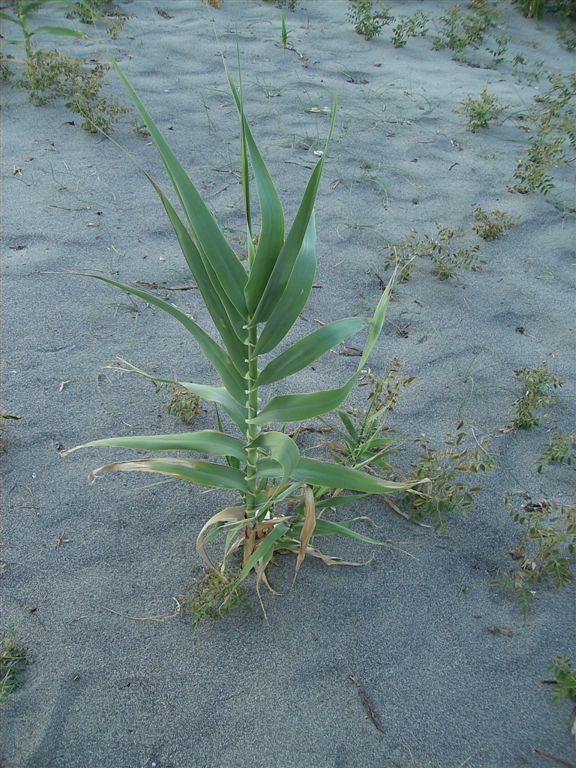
350,428
289,253
205,441
329,528
209,238
271,236
293,299
282,448
60,32
304,352
215,354
327,475
199,472
226,319
288,408
7,17
230,514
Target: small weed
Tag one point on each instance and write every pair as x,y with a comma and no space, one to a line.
460,30
500,48
560,450
554,130
490,225
565,674
544,551
284,36
364,438
183,405
214,595
104,11
366,20
440,249
49,75
538,383
12,660
447,493
482,111
410,26
566,36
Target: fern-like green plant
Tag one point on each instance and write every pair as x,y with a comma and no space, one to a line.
282,495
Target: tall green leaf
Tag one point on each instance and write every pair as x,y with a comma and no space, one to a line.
271,236
304,352
204,441
287,257
215,354
209,239
295,296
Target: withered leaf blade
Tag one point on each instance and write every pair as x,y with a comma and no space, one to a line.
500,631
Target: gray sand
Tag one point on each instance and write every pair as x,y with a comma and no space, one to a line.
105,690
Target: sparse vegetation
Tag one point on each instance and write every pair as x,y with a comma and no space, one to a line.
415,25
441,249
490,225
50,75
482,111
543,553
183,405
213,596
13,658
366,19
446,493
560,450
538,384
460,30
565,674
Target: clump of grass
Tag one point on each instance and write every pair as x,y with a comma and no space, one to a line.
560,450
447,493
415,25
543,553
460,30
490,225
214,595
482,111
366,19
441,249
538,384
13,658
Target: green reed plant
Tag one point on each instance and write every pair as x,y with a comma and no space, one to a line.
282,496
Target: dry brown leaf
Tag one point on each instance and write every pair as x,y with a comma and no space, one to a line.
500,631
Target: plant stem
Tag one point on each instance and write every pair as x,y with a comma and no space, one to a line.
30,74
252,432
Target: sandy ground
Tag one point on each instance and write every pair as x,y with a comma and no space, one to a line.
105,690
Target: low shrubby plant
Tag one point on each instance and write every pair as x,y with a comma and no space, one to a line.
447,492
543,553
442,249
283,498
490,225
460,29
565,678
538,384
366,19
552,136
50,75
560,450
482,111
415,25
